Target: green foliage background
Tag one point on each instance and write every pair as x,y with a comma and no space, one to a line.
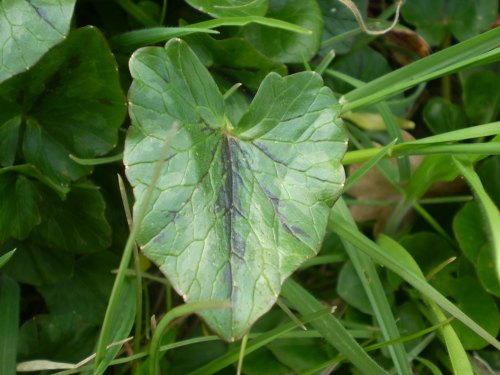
411,255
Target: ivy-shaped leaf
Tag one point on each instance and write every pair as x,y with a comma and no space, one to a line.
28,29
238,206
69,103
230,8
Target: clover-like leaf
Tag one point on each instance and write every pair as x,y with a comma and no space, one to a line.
69,103
231,8
238,206
28,29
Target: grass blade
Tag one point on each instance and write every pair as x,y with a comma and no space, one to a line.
358,239
243,21
233,354
176,312
127,254
372,284
489,210
138,38
6,257
433,66
458,357
331,329
359,173
9,324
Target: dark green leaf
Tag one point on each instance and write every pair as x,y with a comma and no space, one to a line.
239,206
73,104
350,289
365,64
236,57
59,337
486,272
338,20
77,224
90,287
469,18
37,265
426,256
463,18
489,172
299,355
19,211
263,362
285,46
9,137
481,96
10,294
28,29
442,116
429,24
469,230
231,8
480,306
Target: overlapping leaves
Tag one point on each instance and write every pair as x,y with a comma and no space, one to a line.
238,206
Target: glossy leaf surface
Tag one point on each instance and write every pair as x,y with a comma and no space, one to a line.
28,29
238,206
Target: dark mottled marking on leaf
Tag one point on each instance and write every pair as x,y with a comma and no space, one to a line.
265,150
276,202
238,247
42,14
159,238
299,231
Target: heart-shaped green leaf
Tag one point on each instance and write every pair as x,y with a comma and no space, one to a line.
28,29
238,207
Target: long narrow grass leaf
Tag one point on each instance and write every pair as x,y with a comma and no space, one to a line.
331,328
10,295
176,312
243,21
489,210
6,257
359,173
110,314
232,355
433,66
375,292
345,231
144,37
97,161
456,351
395,133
